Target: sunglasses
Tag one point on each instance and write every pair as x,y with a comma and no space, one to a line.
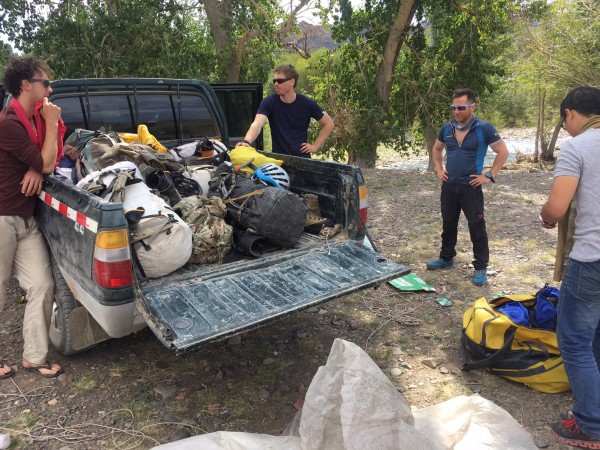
40,80
280,80
461,107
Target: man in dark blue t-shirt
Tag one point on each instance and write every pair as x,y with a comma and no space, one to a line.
289,116
466,139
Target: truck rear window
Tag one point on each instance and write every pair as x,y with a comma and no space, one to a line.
159,112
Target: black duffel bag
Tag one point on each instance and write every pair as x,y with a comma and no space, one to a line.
274,213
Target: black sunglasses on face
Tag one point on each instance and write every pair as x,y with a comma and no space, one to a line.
40,80
280,80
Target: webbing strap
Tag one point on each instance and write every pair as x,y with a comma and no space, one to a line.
246,197
250,194
490,360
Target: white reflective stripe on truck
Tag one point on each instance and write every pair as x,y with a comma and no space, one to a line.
66,211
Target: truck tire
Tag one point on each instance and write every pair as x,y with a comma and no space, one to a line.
64,304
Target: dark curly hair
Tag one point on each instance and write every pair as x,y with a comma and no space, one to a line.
20,69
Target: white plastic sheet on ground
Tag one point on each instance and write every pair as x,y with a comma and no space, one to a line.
352,405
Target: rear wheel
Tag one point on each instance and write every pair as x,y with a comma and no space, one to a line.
72,328
64,304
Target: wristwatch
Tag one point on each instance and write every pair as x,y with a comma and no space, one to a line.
489,176
245,141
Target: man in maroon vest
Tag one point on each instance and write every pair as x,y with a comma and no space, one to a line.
31,133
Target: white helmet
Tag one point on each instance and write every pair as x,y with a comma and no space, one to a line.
272,175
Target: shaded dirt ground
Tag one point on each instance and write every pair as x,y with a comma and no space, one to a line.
133,393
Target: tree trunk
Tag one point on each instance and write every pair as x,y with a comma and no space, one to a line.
430,137
383,81
384,78
543,144
217,19
549,155
231,50
536,152
365,159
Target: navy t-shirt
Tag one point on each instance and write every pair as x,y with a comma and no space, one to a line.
289,122
467,159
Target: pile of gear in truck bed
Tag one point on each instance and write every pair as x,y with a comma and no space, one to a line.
192,203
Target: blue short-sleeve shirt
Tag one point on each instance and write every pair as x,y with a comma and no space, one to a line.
289,122
467,159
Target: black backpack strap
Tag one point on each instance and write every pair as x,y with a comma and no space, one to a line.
137,266
497,355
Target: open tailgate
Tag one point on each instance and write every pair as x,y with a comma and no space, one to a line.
198,308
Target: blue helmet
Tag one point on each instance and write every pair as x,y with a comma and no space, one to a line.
272,175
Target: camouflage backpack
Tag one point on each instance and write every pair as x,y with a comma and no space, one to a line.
212,237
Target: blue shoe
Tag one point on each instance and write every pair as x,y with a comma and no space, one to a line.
439,264
480,277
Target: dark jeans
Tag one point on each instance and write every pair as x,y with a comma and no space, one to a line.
468,199
578,335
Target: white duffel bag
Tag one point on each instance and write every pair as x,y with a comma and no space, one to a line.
161,239
166,246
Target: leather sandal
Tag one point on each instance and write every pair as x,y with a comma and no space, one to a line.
6,375
48,366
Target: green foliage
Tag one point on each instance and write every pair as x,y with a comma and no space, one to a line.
461,47
449,45
554,53
6,53
343,86
247,36
510,105
562,50
118,38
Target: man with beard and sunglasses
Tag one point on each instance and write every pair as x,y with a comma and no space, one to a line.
289,115
466,139
31,133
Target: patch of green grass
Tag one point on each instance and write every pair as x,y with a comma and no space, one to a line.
271,413
448,390
402,340
85,385
430,319
379,352
499,243
19,424
402,182
240,408
531,244
380,185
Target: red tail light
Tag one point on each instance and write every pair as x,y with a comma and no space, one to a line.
112,260
362,211
114,274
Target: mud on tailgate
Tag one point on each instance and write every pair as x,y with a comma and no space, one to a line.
190,312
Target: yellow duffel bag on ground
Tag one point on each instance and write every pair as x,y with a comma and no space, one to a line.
520,353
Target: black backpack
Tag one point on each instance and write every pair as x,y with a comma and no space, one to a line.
274,213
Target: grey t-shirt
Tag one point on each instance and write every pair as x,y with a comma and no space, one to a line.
580,157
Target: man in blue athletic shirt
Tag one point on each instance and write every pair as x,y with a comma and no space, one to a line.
289,116
466,139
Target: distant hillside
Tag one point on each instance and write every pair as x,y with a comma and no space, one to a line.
312,37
